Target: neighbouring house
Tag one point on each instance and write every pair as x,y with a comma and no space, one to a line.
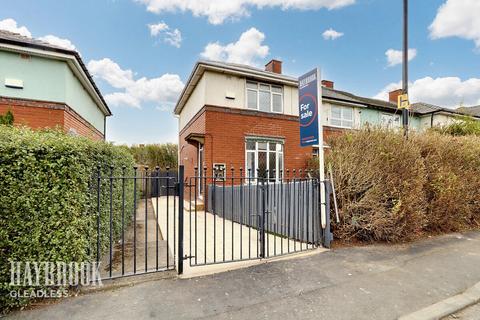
471,111
49,86
232,115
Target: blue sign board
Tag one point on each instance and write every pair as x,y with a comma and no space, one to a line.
308,102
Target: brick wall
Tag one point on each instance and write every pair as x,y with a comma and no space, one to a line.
227,128
40,115
188,150
73,120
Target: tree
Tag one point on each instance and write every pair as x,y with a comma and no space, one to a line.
7,118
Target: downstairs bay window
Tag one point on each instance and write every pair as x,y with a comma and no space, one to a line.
262,156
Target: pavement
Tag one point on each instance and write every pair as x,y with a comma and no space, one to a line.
372,282
470,313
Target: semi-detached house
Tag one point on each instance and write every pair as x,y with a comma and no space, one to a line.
233,115
46,86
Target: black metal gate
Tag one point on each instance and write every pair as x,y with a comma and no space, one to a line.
139,217
252,216
135,214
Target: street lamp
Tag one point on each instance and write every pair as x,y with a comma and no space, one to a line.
405,65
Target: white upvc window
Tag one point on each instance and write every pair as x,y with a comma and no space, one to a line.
391,121
262,156
341,117
264,97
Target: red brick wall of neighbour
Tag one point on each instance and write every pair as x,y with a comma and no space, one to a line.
329,132
40,115
82,127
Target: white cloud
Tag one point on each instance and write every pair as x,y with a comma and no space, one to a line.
11,25
217,11
457,18
170,36
395,57
163,90
111,72
155,29
447,92
59,42
247,50
331,34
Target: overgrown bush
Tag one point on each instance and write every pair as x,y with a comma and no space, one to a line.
462,126
48,199
152,155
390,189
453,181
379,181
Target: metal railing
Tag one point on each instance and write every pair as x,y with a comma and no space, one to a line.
135,220
237,216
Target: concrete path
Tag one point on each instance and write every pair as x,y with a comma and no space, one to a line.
209,238
147,247
374,282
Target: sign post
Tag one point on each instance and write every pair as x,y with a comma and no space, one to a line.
311,130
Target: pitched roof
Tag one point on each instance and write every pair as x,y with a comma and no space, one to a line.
260,74
473,111
425,108
338,95
16,39
419,108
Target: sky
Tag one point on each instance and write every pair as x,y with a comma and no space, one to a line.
141,52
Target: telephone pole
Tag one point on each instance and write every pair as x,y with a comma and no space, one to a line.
405,65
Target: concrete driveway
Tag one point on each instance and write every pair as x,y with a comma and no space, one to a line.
373,282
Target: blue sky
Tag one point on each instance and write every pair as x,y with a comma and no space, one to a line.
141,52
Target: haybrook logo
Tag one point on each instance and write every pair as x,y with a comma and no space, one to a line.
306,81
56,275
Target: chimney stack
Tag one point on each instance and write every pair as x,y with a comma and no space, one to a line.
327,84
393,95
274,66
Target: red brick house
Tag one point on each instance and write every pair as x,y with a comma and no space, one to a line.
233,115
237,116
49,86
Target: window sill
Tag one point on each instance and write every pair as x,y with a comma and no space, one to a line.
340,127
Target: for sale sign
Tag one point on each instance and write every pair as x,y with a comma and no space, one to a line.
309,100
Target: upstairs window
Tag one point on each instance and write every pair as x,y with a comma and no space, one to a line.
342,117
264,97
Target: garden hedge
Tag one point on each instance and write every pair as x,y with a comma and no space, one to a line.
392,189
48,198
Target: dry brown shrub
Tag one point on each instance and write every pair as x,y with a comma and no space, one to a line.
379,181
390,189
453,181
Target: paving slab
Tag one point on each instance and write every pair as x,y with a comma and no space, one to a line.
210,239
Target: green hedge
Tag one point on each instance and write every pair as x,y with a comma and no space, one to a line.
48,198
392,189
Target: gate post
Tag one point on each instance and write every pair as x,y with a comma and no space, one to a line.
327,234
180,186
262,221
